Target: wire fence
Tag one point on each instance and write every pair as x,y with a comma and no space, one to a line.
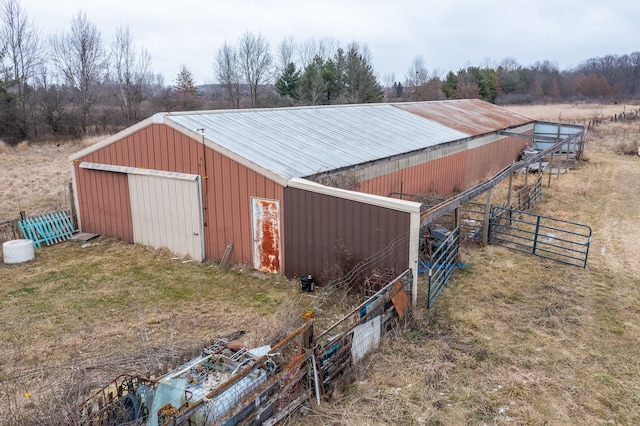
226,384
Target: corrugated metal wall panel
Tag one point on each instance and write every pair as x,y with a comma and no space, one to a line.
318,227
441,176
228,213
491,158
453,169
166,213
103,198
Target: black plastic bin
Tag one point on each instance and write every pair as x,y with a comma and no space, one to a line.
306,283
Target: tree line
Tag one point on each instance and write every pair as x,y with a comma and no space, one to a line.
76,83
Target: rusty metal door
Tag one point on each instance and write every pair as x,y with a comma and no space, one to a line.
266,235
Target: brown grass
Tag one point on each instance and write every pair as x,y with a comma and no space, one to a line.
35,178
579,112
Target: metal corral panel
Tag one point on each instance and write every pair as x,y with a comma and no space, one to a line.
471,116
298,142
323,232
167,213
554,130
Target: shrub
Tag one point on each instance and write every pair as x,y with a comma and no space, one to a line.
627,148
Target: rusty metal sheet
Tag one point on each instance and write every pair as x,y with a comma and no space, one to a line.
472,116
266,235
400,299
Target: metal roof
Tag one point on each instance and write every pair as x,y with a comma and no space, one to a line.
304,141
472,116
299,142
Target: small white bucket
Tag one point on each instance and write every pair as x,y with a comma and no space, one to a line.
17,251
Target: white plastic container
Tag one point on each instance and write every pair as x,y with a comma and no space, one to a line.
17,251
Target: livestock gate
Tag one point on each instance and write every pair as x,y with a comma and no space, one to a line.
551,238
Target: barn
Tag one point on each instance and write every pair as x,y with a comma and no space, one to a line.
290,190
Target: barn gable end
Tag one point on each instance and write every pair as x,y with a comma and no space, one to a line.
227,187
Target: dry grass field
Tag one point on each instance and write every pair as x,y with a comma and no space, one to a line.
513,339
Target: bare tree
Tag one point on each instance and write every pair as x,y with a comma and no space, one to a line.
51,102
132,74
416,78
81,58
227,72
312,49
285,53
23,50
256,63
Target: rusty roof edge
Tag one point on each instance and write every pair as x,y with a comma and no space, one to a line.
376,200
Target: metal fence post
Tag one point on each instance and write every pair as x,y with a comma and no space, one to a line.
487,216
535,236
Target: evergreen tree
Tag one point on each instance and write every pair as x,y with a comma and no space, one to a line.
185,92
312,85
398,89
12,129
184,82
288,84
332,72
360,83
449,85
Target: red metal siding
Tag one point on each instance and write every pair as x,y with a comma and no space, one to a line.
103,198
447,175
227,191
441,176
491,158
317,228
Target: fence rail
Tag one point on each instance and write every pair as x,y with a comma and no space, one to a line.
350,339
9,230
547,237
442,264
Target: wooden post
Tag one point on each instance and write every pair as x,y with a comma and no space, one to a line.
72,203
559,151
540,167
526,175
550,170
487,216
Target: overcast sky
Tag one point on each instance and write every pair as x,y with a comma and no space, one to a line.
449,34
